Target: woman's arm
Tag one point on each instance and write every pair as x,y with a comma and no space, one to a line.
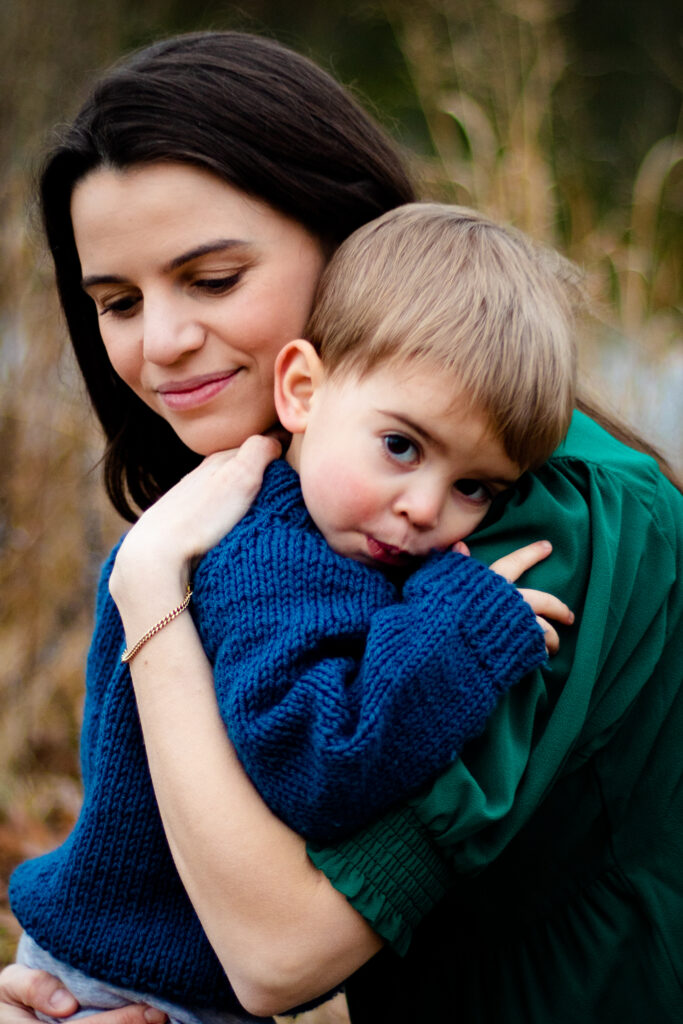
282,932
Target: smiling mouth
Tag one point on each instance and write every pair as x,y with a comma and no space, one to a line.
196,391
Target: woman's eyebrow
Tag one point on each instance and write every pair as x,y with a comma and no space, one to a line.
206,248
93,279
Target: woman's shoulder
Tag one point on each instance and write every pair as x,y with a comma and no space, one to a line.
590,475
605,472
596,454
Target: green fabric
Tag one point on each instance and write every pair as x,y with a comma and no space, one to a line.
552,889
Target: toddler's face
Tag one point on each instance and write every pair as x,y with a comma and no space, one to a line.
396,464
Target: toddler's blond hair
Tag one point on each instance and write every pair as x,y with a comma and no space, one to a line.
443,286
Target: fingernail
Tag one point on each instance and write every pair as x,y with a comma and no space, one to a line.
154,1016
61,1000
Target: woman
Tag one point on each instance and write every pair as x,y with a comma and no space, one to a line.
542,864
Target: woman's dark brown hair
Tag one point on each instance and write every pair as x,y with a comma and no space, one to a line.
254,113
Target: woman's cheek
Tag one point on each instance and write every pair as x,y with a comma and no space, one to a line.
124,357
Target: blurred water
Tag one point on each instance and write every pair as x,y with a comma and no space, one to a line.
645,390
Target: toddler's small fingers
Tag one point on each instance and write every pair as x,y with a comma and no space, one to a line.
548,605
517,562
552,640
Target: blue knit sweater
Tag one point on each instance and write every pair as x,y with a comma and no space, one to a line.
340,693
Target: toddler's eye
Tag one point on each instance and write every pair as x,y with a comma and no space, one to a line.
475,490
401,448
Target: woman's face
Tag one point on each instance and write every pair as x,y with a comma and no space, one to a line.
197,287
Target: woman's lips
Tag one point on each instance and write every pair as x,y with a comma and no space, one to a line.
196,391
387,553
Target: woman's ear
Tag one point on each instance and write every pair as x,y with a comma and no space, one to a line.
298,372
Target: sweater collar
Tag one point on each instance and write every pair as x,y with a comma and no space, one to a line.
281,493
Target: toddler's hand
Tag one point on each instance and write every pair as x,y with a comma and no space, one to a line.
544,605
547,606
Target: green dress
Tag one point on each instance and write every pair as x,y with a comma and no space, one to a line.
540,878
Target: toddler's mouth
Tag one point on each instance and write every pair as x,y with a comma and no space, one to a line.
388,554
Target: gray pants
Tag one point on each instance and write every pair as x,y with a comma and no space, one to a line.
95,996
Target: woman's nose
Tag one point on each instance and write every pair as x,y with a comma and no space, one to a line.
169,332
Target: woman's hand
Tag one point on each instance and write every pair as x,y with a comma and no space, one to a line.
202,507
545,606
153,564
23,990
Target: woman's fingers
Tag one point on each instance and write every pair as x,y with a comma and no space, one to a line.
517,562
201,508
135,1013
242,471
23,990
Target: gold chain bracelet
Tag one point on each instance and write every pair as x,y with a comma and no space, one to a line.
157,627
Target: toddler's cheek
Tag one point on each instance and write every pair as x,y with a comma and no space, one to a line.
340,494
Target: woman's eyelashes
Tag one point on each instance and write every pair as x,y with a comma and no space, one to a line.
125,305
119,307
217,285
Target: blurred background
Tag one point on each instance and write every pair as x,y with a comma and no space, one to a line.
561,116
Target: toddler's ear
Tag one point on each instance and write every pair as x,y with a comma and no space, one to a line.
298,372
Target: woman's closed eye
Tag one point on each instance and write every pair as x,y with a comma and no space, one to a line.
473,490
120,306
125,305
401,449
217,285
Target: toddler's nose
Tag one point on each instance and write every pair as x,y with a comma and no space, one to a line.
421,508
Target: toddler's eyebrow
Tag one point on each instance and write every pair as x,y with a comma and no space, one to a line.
502,481
416,428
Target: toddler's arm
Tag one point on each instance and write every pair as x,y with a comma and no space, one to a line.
342,698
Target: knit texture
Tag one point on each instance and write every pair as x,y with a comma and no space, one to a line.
339,694
109,901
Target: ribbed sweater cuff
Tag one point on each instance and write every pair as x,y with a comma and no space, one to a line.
495,621
390,873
